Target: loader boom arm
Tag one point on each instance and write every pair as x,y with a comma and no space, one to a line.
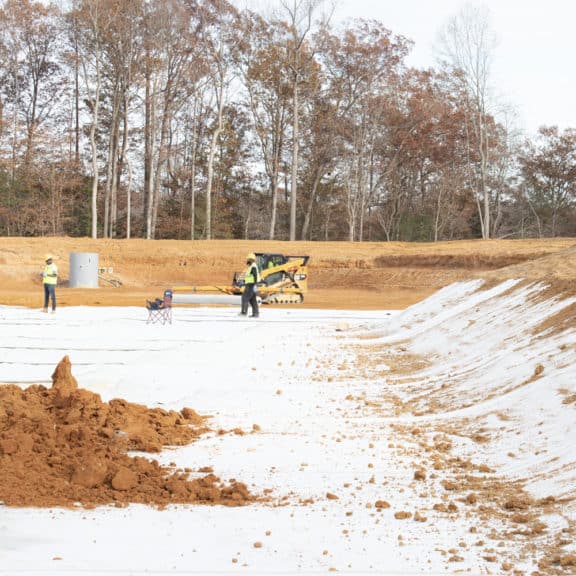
283,279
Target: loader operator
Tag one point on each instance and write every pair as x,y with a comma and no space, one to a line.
250,293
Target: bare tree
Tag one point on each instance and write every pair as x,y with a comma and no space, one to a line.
195,120
92,21
34,81
467,46
262,69
220,38
300,16
169,72
362,68
123,50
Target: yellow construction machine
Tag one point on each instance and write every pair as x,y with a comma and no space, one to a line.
283,280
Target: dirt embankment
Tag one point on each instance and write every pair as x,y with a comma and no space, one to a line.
61,446
342,274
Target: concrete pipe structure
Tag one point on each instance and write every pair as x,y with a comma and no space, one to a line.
208,299
83,270
205,299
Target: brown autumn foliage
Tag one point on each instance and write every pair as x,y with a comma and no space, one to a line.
152,144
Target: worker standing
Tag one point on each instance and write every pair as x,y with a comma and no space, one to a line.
250,293
49,279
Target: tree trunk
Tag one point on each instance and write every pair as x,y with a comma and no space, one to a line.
309,210
120,164
483,171
111,167
209,179
129,202
437,215
295,150
94,206
193,155
76,104
151,168
193,189
211,157
147,149
94,148
162,154
274,191
31,125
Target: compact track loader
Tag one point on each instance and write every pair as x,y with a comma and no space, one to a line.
283,280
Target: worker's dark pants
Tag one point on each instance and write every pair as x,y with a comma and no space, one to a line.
50,292
249,296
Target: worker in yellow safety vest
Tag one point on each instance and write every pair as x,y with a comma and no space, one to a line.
49,279
250,293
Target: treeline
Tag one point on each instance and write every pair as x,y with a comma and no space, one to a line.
191,119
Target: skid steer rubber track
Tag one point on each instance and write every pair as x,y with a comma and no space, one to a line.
280,298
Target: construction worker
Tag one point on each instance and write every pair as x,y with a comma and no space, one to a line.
49,279
250,293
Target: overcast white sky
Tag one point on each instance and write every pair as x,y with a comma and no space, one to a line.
534,68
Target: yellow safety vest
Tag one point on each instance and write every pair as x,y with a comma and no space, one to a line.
249,276
50,274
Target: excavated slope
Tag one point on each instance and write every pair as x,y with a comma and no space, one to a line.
342,274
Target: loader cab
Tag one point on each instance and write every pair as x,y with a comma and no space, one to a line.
279,270
267,261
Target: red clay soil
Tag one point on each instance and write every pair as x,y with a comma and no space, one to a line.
63,446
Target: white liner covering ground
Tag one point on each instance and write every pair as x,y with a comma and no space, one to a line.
327,430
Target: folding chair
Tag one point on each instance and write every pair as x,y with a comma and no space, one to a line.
160,309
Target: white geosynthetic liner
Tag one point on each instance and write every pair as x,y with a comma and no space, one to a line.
285,373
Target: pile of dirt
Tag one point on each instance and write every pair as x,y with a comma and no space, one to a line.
63,446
